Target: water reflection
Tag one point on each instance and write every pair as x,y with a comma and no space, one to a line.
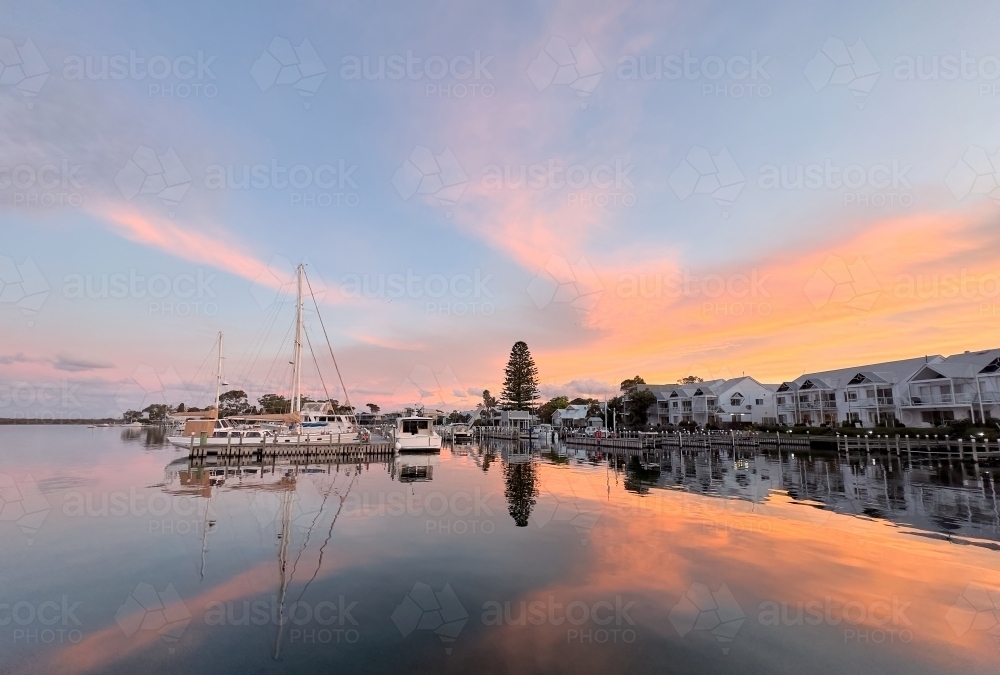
635,530
520,489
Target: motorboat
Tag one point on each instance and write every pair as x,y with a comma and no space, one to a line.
458,432
416,432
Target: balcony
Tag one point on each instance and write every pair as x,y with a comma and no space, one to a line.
817,405
931,400
872,402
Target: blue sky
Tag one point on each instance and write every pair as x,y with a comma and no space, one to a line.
551,259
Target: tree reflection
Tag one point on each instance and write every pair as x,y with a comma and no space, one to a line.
521,489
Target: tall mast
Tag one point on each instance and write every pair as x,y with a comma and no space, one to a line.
297,356
218,378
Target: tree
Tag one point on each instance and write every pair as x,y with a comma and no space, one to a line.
489,405
546,409
272,404
639,404
180,407
234,402
690,379
630,385
520,385
374,408
157,412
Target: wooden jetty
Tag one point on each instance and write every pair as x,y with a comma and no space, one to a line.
290,450
972,449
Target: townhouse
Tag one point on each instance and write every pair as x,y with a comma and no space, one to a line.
924,391
866,396
962,386
716,402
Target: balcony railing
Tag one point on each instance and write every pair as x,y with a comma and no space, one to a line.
818,405
938,399
871,402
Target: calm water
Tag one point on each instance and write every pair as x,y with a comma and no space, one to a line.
118,557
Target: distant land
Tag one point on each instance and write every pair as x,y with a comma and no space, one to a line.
38,420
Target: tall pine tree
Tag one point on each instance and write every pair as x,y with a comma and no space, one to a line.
520,385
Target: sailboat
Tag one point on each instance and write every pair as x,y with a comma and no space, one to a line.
217,431
314,422
309,423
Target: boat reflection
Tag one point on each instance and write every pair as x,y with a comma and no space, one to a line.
416,467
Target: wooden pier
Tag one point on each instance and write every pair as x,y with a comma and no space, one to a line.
291,450
928,446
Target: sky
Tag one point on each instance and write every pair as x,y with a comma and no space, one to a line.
662,189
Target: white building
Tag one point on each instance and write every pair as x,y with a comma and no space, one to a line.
736,400
570,416
962,386
518,419
861,395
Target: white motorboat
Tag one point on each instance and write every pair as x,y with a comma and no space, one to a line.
458,432
416,432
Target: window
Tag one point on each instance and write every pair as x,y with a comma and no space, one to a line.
736,401
781,400
759,401
412,426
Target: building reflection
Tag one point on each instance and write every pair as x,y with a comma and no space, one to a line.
937,498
